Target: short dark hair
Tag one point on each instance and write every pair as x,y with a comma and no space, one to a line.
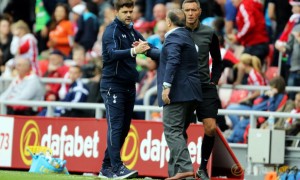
121,3
177,17
191,1
278,83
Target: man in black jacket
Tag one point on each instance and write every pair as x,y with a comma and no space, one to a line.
207,41
117,86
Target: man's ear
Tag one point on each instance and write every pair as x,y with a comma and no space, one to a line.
168,21
200,12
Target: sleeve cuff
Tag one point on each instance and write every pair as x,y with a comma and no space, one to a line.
167,84
132,52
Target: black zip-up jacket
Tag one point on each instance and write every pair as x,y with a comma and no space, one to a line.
119,67
208,43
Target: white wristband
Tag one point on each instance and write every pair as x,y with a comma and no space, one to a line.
134,52
131,52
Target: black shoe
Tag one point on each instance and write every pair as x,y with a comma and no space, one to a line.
202,174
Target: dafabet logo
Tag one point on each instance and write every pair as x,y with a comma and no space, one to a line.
130,157
64,140
30,136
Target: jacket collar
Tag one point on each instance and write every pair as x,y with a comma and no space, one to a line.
199,24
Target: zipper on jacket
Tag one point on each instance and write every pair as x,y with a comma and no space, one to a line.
117,67
120,47
132,34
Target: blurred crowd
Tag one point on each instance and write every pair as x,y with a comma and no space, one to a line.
259,44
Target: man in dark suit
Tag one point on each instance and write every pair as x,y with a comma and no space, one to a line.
179,90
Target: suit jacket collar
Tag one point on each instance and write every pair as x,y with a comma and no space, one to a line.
170,31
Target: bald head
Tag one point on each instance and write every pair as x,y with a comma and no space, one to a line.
161,29
159,12
23,61
23,66
177,17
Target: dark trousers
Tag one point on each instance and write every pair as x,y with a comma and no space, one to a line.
176,120
259,50
293,80
119,103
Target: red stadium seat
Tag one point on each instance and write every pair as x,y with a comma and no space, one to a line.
271,72
269,58
237,95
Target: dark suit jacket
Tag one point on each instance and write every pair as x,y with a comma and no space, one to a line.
178,66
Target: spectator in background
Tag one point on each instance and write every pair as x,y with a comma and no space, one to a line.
147,68
290,125
87,28
292,48
102,5
77,92
3,5
51,4
42,18
139,22
5,41
88,67
294,20
252,67
22,10
26,86
280,12
77,11
61,30
109,16
159,13
158,38
228,58
269,101
149,6
282,40
251,28
230,14
25,44
55,69
78,57
145,63
73,3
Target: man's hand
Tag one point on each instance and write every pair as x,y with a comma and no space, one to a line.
271,92
141,46
280,46
136,43
165,96
51,43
